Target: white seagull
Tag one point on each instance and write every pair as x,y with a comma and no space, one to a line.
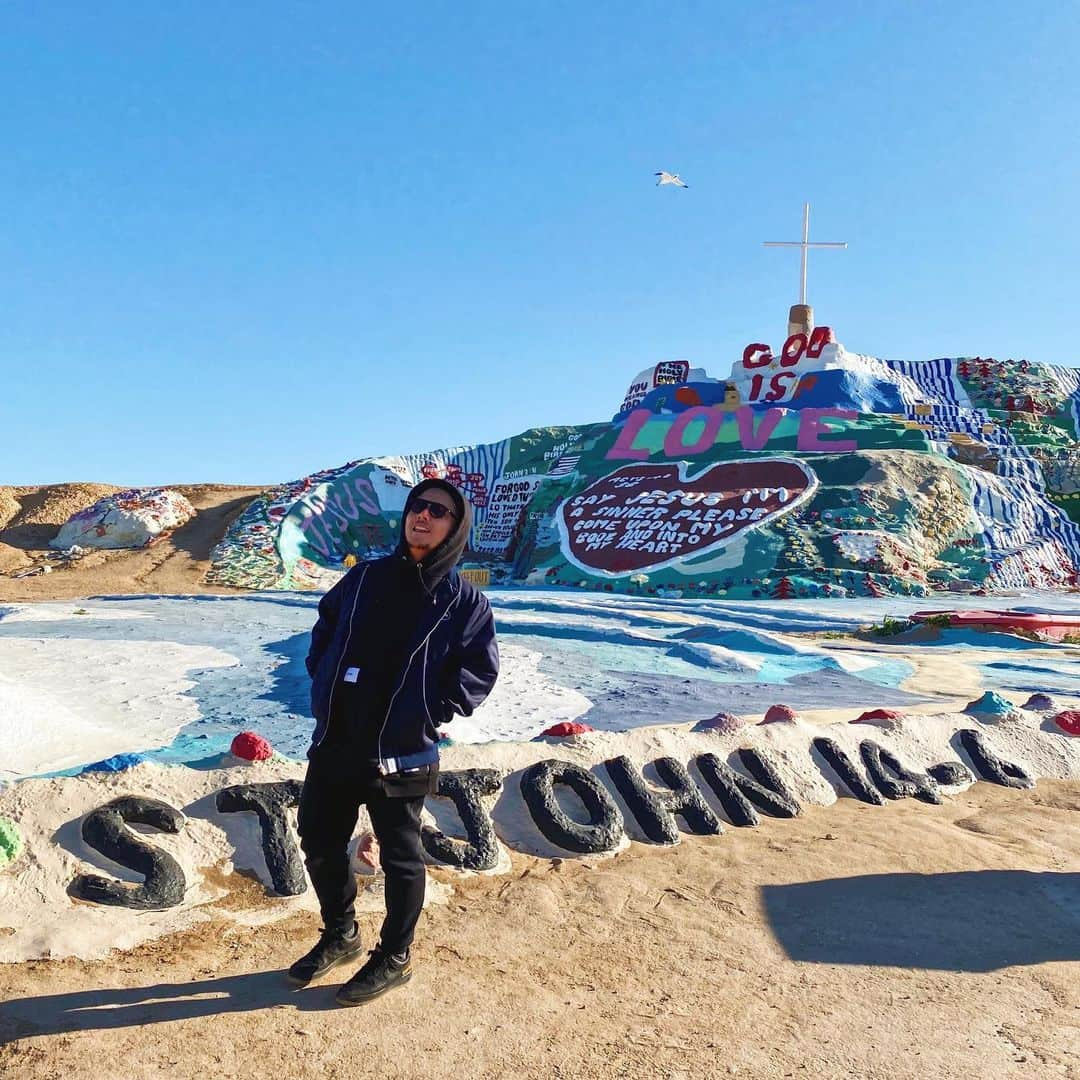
670,178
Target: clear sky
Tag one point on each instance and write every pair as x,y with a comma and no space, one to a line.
242,242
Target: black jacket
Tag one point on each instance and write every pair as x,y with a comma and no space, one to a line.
451,658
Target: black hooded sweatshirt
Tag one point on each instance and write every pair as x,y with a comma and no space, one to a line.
378,647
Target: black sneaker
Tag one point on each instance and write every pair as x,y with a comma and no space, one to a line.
382,972
333,948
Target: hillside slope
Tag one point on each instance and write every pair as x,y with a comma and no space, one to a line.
813,472
31,516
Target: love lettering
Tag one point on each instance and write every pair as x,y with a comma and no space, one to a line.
697,430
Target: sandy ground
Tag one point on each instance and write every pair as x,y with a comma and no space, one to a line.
31,517
903,941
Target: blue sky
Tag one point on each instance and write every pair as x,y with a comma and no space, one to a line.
244,242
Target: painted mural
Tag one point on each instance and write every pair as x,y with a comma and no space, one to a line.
809,471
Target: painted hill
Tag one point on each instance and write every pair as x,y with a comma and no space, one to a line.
814,471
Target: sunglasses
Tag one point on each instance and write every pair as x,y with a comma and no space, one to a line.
436,510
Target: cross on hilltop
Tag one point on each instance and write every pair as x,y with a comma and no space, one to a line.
805,244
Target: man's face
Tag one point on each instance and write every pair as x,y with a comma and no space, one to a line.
423,532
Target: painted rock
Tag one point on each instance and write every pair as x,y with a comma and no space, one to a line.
737,496
565,728
126,519
780,714
116,763
1068,721
251,747
1039,703
723,723
878,714
10,841
990,704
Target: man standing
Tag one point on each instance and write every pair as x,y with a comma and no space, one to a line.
401,645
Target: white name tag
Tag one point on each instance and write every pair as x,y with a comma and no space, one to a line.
351,674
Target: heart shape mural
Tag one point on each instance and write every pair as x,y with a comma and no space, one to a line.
650,516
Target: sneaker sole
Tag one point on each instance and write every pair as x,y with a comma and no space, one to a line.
378,993
296,980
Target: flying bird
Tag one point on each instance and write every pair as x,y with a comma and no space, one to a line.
670,178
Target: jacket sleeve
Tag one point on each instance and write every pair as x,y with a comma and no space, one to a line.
323,630
474,663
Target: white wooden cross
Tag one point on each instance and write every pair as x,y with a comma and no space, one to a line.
805,243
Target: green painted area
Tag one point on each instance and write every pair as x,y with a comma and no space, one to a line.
10,842
1008,390
535,450
733,500
1069,504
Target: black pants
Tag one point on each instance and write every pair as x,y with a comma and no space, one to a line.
329,806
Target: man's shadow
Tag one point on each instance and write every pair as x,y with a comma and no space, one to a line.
108,1009
974,921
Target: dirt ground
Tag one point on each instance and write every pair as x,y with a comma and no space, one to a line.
903,941
855,941
31,517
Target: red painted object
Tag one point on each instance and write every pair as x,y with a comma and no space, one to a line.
1068,721
687,395
251,747
567,727
1053,627
724,723
780,714
878,714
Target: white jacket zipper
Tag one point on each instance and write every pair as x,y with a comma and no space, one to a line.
405,675
344,653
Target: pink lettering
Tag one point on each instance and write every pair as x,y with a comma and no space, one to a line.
748,437
624,445
813,423
368,500
673,441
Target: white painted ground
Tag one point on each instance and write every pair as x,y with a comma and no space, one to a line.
83,681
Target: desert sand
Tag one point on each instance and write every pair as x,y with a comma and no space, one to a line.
31,516
854,941
926,942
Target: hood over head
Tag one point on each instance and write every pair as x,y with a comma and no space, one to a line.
438,563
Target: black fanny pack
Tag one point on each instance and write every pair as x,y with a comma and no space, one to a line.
409,783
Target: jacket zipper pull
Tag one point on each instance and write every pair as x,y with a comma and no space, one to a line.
420,575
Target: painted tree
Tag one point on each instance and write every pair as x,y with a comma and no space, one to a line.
871,587
784,589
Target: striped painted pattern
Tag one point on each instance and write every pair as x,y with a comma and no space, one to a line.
1025,535
935,379
565,465
1029,539
487,460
